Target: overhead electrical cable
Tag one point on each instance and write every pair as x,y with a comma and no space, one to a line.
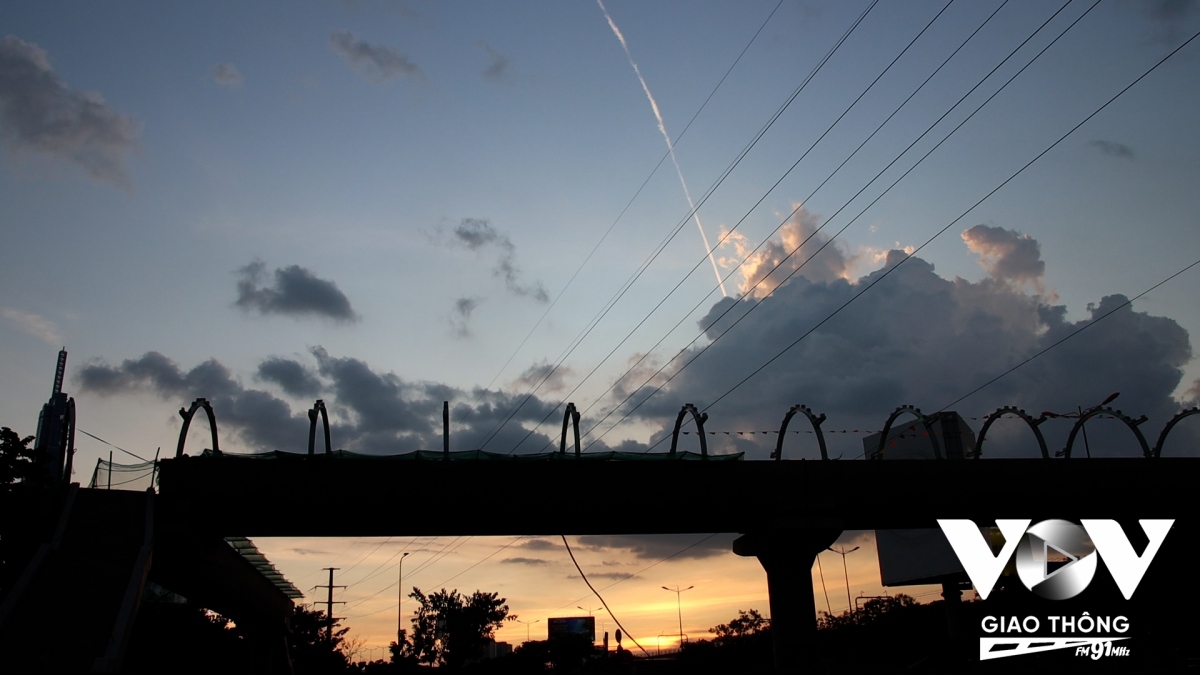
909,256
662,245
601,597
831,218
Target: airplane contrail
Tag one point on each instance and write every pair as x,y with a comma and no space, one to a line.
662,127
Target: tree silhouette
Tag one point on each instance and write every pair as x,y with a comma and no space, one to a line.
16,458
313,646
451,629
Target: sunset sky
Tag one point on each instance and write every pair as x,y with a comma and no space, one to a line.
388,205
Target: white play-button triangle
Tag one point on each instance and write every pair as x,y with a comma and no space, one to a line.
1046,546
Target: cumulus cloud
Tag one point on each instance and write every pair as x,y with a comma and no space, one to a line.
1113,149
497,66
915,338
478,235
292,376
40,114
1007,255
545,374
371,411
763,270
373,62
296,292
227,75
33,324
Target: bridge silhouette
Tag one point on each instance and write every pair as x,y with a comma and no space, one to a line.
787,510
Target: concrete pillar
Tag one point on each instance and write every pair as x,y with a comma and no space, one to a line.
787,557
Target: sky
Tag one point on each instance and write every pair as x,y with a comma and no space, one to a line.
388,205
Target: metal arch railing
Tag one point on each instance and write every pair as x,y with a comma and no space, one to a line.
815,420
1162,438
1034,424
570,417
68,440
883,437
700,419
318,409
187,422
1092,412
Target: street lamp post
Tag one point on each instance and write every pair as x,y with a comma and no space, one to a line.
678,608
527,624
844,553
400,604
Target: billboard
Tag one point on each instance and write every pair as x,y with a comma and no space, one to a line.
572,625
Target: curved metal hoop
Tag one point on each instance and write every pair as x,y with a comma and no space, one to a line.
815,420
1129,422
1013,410
187,422
700,419
318,408
570,416
1162,438
883,437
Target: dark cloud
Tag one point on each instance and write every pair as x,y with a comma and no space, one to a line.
917,338
1168,17
1007,255
292,376
296,292
1113,149
370,411
540,545
477,234
658,546
460,317
497,67
532,562
259,418
39,113
226,74
372,61
549,378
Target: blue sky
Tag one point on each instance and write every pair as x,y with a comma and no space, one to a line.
374,203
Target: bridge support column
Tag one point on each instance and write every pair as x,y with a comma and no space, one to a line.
787,557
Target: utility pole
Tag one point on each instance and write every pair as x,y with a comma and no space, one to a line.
330,603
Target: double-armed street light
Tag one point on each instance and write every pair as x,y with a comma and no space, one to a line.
844,553
678,608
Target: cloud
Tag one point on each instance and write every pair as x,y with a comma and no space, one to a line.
39,113
227,75
1007,255
916,338
532,562
297,292
33,324
1113,149
461,315
292,376
371,411
497,67
1168,17
477,235
659,546
540,545
759,274
554,378
373,62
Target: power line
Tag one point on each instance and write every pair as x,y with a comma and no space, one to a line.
662,245
114,446
843,229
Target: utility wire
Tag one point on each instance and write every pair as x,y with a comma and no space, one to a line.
843,229
1077,331
662,245
113,446
601,597
632,199
728,233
